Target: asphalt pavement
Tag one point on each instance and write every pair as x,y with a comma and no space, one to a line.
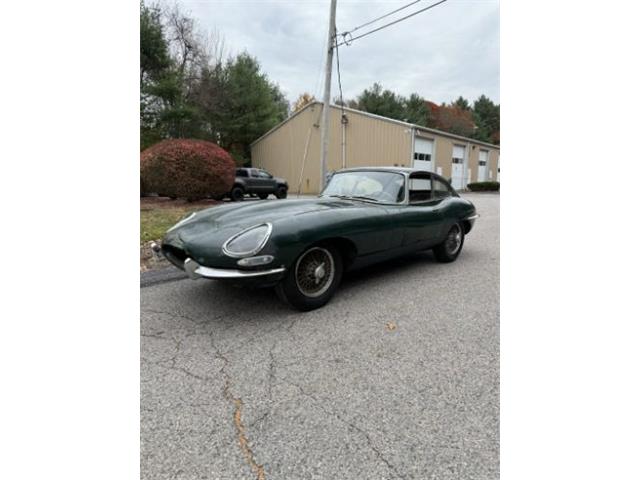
397,377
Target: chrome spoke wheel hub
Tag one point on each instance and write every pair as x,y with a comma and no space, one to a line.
454,240
314,272
319,273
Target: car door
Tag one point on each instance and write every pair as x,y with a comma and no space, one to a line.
255,182
268,183
422,219
259,181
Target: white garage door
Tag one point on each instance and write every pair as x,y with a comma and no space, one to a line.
423,154
458,181
482,165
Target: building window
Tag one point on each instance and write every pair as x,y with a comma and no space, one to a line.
426,157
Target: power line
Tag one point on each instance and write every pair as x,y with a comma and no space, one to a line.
343,117
350,40
339,77
384,16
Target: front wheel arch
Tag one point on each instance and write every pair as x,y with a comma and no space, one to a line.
291,292
347,249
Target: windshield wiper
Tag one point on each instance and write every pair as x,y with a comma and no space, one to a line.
360,197
351,197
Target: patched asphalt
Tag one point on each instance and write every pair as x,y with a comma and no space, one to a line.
397,377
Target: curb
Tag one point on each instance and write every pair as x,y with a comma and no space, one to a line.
161,275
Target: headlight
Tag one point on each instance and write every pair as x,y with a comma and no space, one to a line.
248,242
184,220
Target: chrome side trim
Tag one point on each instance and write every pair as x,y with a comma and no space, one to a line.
195,271
472,217
255,250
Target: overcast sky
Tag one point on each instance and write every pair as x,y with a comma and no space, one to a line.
450,50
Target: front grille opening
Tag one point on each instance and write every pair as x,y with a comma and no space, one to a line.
175,255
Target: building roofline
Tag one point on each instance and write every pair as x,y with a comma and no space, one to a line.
384,119
418,127
290,117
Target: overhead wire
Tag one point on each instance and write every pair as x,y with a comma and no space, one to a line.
385,15
351,39
343,118
339,76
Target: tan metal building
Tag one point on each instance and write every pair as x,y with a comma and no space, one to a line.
291,150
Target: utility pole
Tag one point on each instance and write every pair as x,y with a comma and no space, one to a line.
326,99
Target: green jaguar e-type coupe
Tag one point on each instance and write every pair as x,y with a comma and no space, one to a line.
302,247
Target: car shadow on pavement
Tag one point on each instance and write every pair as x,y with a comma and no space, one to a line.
389,267
263,303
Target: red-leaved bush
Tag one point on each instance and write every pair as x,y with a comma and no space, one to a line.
191,169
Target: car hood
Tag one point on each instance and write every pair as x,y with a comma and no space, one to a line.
246,214
215,225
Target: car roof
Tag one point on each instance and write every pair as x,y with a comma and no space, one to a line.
405,170
402,170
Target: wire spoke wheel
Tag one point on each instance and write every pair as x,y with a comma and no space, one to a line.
314,272
454,240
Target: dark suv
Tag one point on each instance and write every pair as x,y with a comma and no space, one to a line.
254,181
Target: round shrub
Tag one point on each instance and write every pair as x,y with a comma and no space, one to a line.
484,186
191,169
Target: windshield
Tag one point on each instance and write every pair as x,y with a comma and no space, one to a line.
384,187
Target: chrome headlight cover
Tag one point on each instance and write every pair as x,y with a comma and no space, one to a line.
227,247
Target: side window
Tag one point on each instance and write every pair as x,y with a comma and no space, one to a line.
440,189
240,172
420,189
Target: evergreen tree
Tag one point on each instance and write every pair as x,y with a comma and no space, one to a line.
251,106
486,115
416,110
381,102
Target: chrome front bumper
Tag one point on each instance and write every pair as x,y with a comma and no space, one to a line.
194,270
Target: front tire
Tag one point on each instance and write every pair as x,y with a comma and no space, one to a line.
237,194
313,279
281,192
451,247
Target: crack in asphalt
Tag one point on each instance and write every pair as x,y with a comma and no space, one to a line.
175,315
236,401
237,422
351,425
272,371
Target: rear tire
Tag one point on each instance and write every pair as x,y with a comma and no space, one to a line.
281,192
237,194
313,278
451,247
